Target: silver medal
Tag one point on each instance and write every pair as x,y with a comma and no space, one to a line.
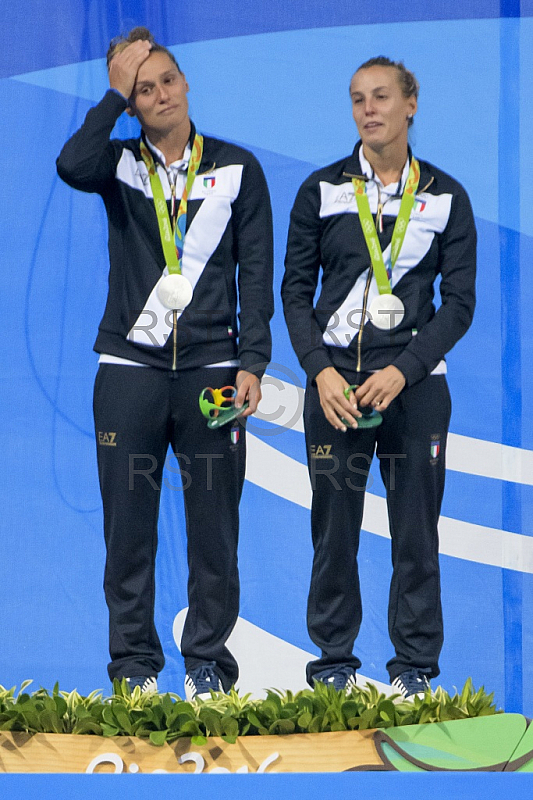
175,291
386,311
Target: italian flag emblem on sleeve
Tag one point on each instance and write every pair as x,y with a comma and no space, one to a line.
435,448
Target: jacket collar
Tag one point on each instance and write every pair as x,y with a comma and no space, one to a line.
181,165
207,164
355,164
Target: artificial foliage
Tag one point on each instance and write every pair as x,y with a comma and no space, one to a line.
164,718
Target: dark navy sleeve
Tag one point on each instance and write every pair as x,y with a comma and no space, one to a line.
302,265
88,160
457,262
252,225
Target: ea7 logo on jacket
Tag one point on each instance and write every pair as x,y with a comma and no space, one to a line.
107,438
320,451
345,197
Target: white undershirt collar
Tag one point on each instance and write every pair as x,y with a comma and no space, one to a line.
181,165
392,188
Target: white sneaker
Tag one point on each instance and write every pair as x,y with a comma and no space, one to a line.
201,681
148,683
341,678
412,682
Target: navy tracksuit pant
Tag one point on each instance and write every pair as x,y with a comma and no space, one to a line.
411,445
139,412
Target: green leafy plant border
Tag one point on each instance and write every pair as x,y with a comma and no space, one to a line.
163,718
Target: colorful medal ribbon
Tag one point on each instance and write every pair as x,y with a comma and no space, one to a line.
172,241
400,227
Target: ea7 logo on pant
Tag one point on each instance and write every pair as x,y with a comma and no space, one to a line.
320,451
107,438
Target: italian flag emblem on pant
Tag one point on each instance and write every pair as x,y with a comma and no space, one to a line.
435,448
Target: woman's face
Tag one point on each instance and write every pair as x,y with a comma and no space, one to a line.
379,108
159,98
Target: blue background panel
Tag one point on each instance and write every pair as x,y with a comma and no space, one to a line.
262,787
86,27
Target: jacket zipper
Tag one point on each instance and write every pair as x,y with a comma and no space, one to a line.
175,337
363,317
174,313
379,226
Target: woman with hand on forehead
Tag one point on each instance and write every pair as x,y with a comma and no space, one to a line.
379,226
190,241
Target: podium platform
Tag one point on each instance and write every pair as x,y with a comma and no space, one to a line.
497,743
